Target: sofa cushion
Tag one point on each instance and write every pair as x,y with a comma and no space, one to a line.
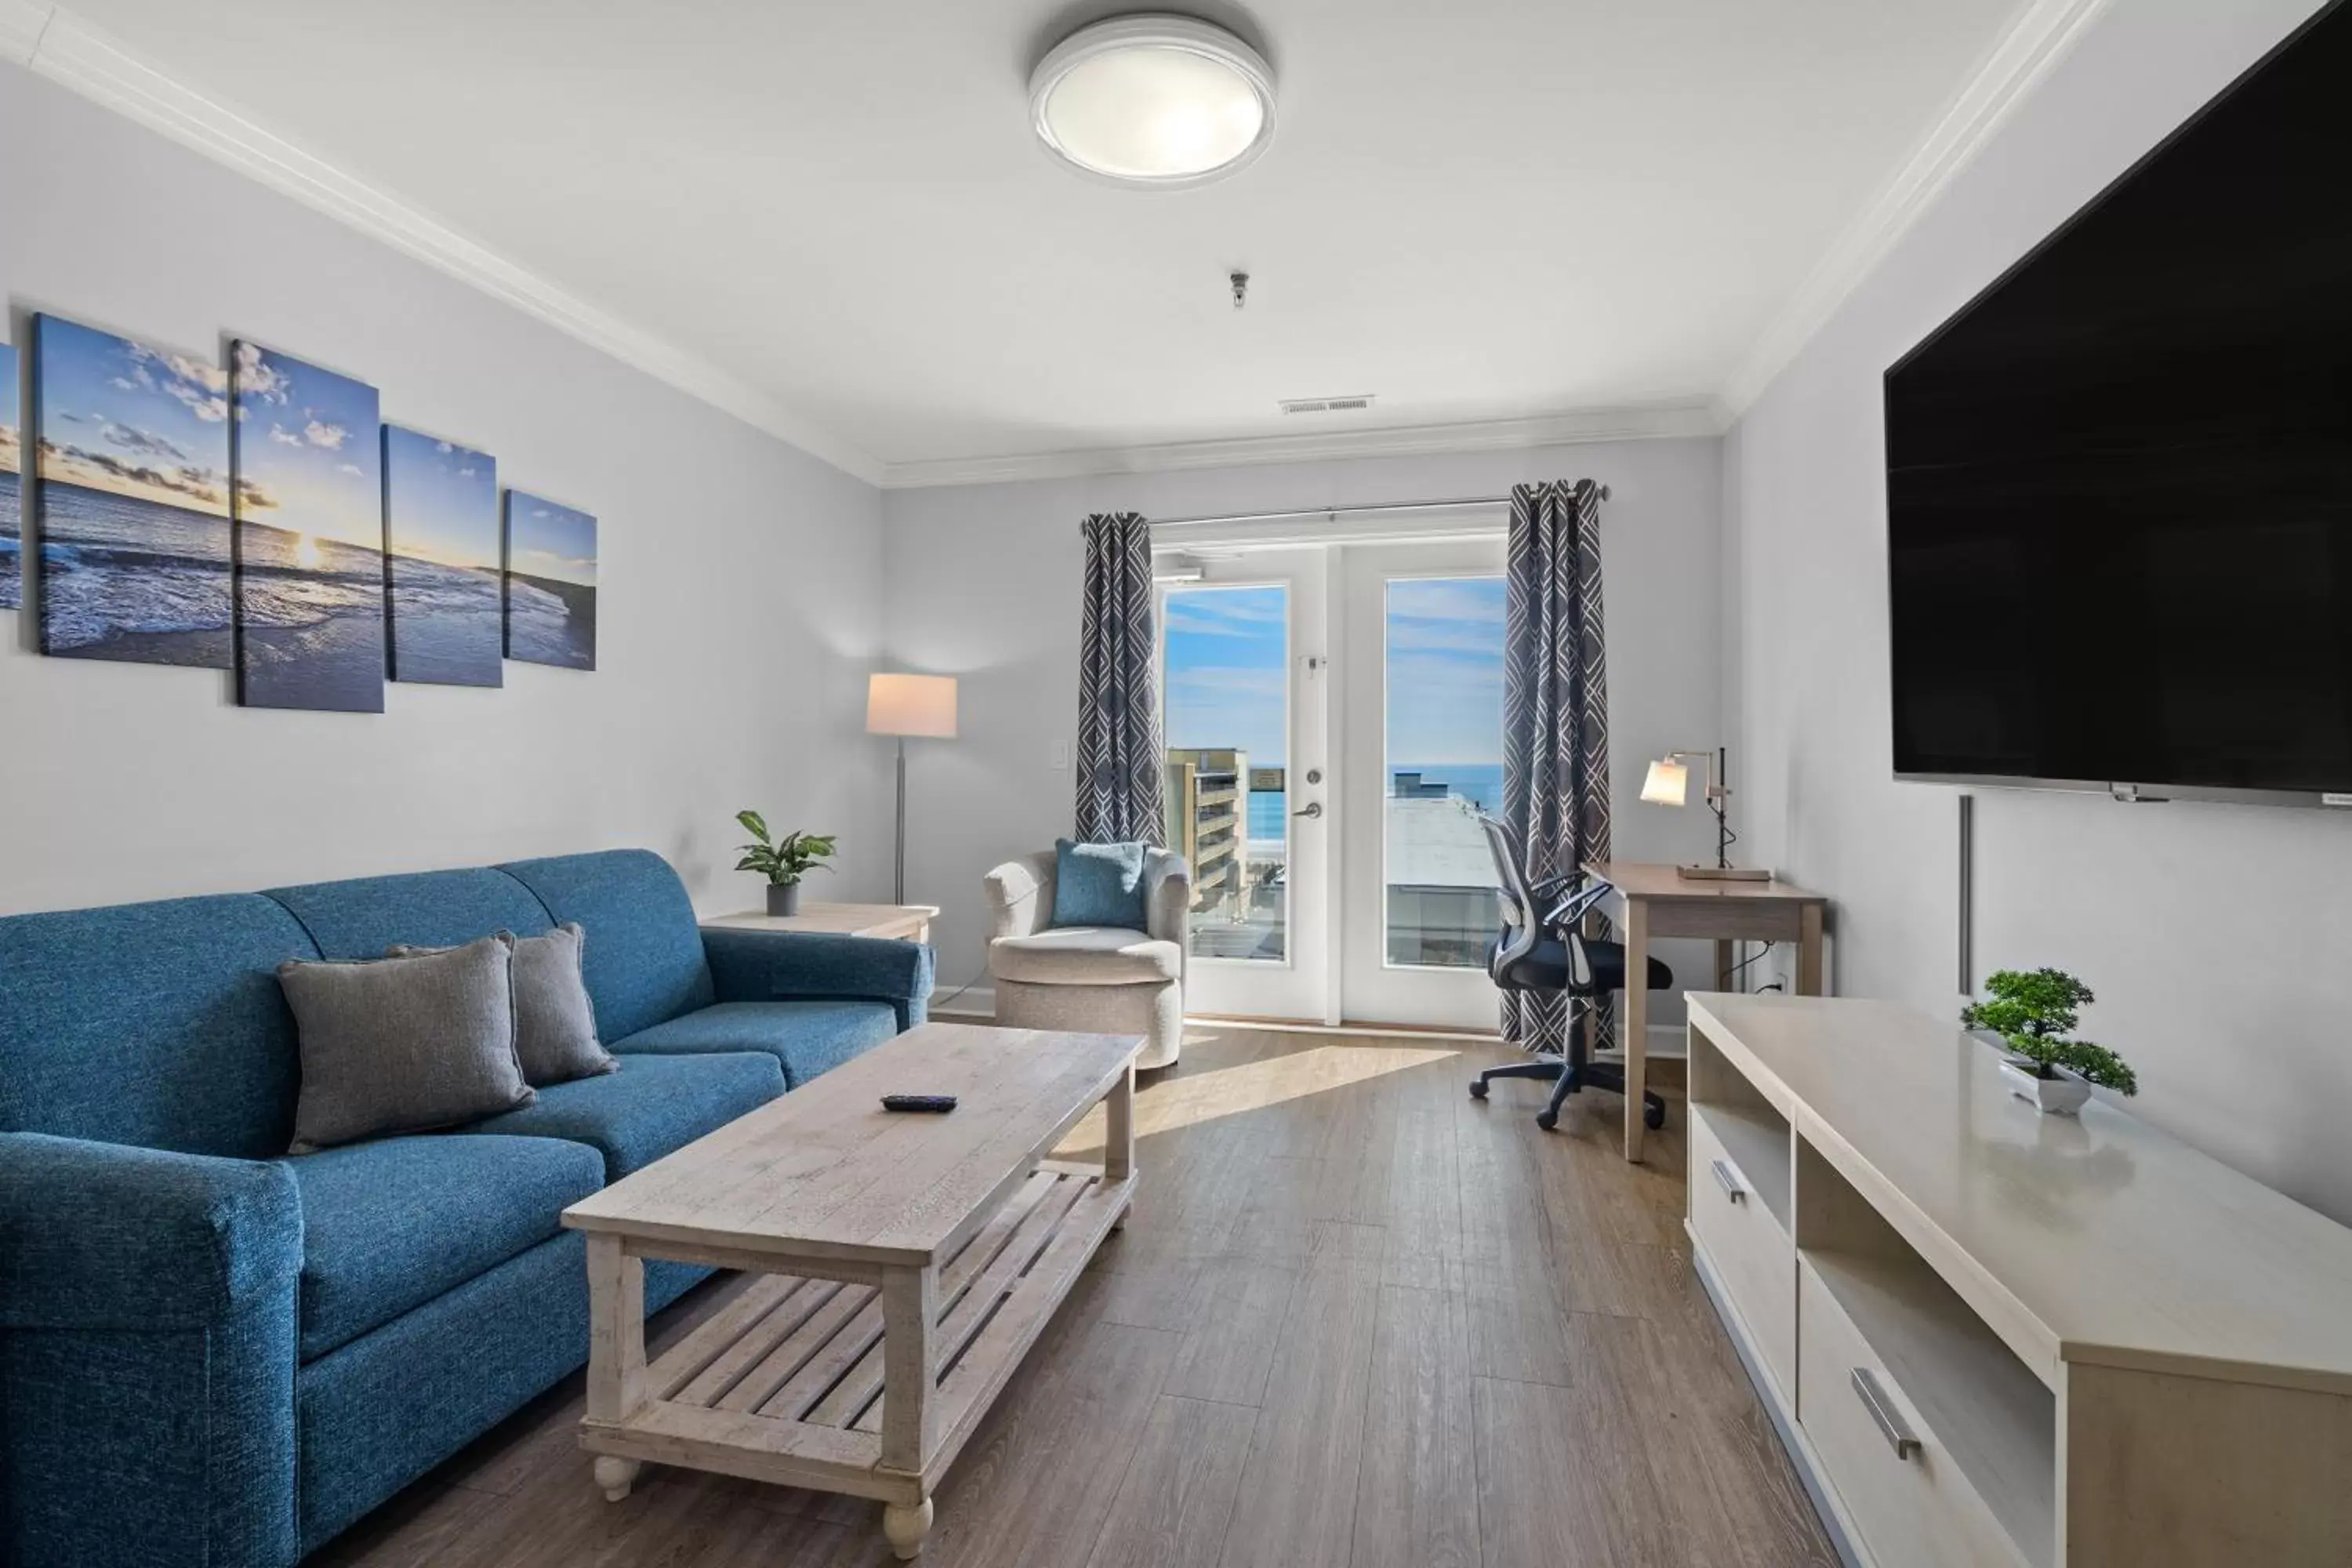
644,955
157,1024
389,1226
1085,955
405,1045
367,917
807,1037
651,1105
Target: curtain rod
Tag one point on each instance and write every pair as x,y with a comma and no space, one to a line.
1333,514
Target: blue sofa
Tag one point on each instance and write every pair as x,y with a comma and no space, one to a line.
213,1354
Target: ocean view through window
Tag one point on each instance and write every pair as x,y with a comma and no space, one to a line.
1443,698
1226,676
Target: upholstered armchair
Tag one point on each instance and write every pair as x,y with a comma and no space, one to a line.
1100,979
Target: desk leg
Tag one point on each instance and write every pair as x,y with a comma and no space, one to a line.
1809,952
1634,1020
1723,964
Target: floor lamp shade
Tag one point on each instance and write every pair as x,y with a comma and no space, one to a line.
911,705
904,705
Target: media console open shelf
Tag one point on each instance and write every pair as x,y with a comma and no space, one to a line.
1991,1336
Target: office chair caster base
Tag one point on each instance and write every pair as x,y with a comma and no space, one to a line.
1477,1088
1547,1119
1654,1112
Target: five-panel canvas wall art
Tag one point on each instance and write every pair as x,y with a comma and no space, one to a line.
265,519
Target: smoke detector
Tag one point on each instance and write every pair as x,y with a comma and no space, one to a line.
1349,404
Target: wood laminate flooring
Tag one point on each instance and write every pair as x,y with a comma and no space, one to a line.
1358,1321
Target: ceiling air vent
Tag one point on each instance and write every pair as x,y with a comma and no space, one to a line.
1327,405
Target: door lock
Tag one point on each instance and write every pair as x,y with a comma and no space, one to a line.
1314,775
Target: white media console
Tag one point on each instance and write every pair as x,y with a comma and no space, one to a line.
1993,1336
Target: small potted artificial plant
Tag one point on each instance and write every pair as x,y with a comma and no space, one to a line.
2029,1014
784,862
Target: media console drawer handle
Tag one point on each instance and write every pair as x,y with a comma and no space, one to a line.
1881,1410
1730,1180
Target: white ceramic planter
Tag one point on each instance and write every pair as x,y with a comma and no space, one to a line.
2060,1096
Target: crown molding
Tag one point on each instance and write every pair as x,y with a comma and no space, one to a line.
2036,40
21,22
57,44
1648,422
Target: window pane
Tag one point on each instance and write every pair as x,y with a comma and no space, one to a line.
1445,766
1227,686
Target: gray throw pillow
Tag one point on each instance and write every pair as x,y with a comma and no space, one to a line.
555,1024
404,1045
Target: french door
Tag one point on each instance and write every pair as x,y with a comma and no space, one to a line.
1334,728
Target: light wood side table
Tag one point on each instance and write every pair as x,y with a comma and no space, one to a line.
1657,900
909,921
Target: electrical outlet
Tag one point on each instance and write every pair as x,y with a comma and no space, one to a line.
1061,754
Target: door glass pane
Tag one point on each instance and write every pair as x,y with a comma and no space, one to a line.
1227,685
1444,764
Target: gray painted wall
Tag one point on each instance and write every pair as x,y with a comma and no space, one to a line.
984,586
740,579
2217,938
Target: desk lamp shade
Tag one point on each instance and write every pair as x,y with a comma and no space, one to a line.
1668,783
911,705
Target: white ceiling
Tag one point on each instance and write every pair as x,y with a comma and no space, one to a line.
1479,210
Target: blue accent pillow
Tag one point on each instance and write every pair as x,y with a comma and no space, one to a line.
1099,885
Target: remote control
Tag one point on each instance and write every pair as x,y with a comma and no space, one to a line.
931,1104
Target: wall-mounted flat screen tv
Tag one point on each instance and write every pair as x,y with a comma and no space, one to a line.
2119,482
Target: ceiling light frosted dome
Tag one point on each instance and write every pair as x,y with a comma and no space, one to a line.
1153,100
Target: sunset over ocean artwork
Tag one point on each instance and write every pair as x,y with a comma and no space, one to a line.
309,518
441,543
12,505
550,583
130,455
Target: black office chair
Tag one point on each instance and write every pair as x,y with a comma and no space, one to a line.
1542,947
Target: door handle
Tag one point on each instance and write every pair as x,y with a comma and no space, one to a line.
1881,1410
1312,808
1729,1179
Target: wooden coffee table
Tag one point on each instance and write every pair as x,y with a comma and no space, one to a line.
906,1263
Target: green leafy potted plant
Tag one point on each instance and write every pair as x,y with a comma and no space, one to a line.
784,861
2029,1014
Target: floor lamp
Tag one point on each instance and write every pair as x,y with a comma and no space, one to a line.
901,705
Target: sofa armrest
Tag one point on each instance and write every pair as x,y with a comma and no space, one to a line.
1167,894
147,1355
1020,896
771,966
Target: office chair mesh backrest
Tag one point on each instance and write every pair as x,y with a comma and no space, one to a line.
1525,918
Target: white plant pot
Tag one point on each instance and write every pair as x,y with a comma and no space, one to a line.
2061,1096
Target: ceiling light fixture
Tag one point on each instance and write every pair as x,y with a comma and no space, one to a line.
1158,100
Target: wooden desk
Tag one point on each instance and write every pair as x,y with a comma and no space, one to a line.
1657,900
911,922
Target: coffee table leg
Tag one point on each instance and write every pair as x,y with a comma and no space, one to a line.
905,1527
1119,1136
616,1350
911,1315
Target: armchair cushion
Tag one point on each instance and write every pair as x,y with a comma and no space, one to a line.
389,1226
805,1038
1099,885
1085,955
652,1105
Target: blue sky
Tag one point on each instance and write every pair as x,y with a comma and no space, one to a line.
309,460
441,501
1227,659
1227,656
121,417
1446,670
544,540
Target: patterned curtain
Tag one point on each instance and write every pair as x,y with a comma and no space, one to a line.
1119,758
1555,712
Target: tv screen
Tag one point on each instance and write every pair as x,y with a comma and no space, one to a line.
2119,482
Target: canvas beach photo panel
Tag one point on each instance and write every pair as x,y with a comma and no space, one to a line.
309,535
12,503
441,560
550,583
131,464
